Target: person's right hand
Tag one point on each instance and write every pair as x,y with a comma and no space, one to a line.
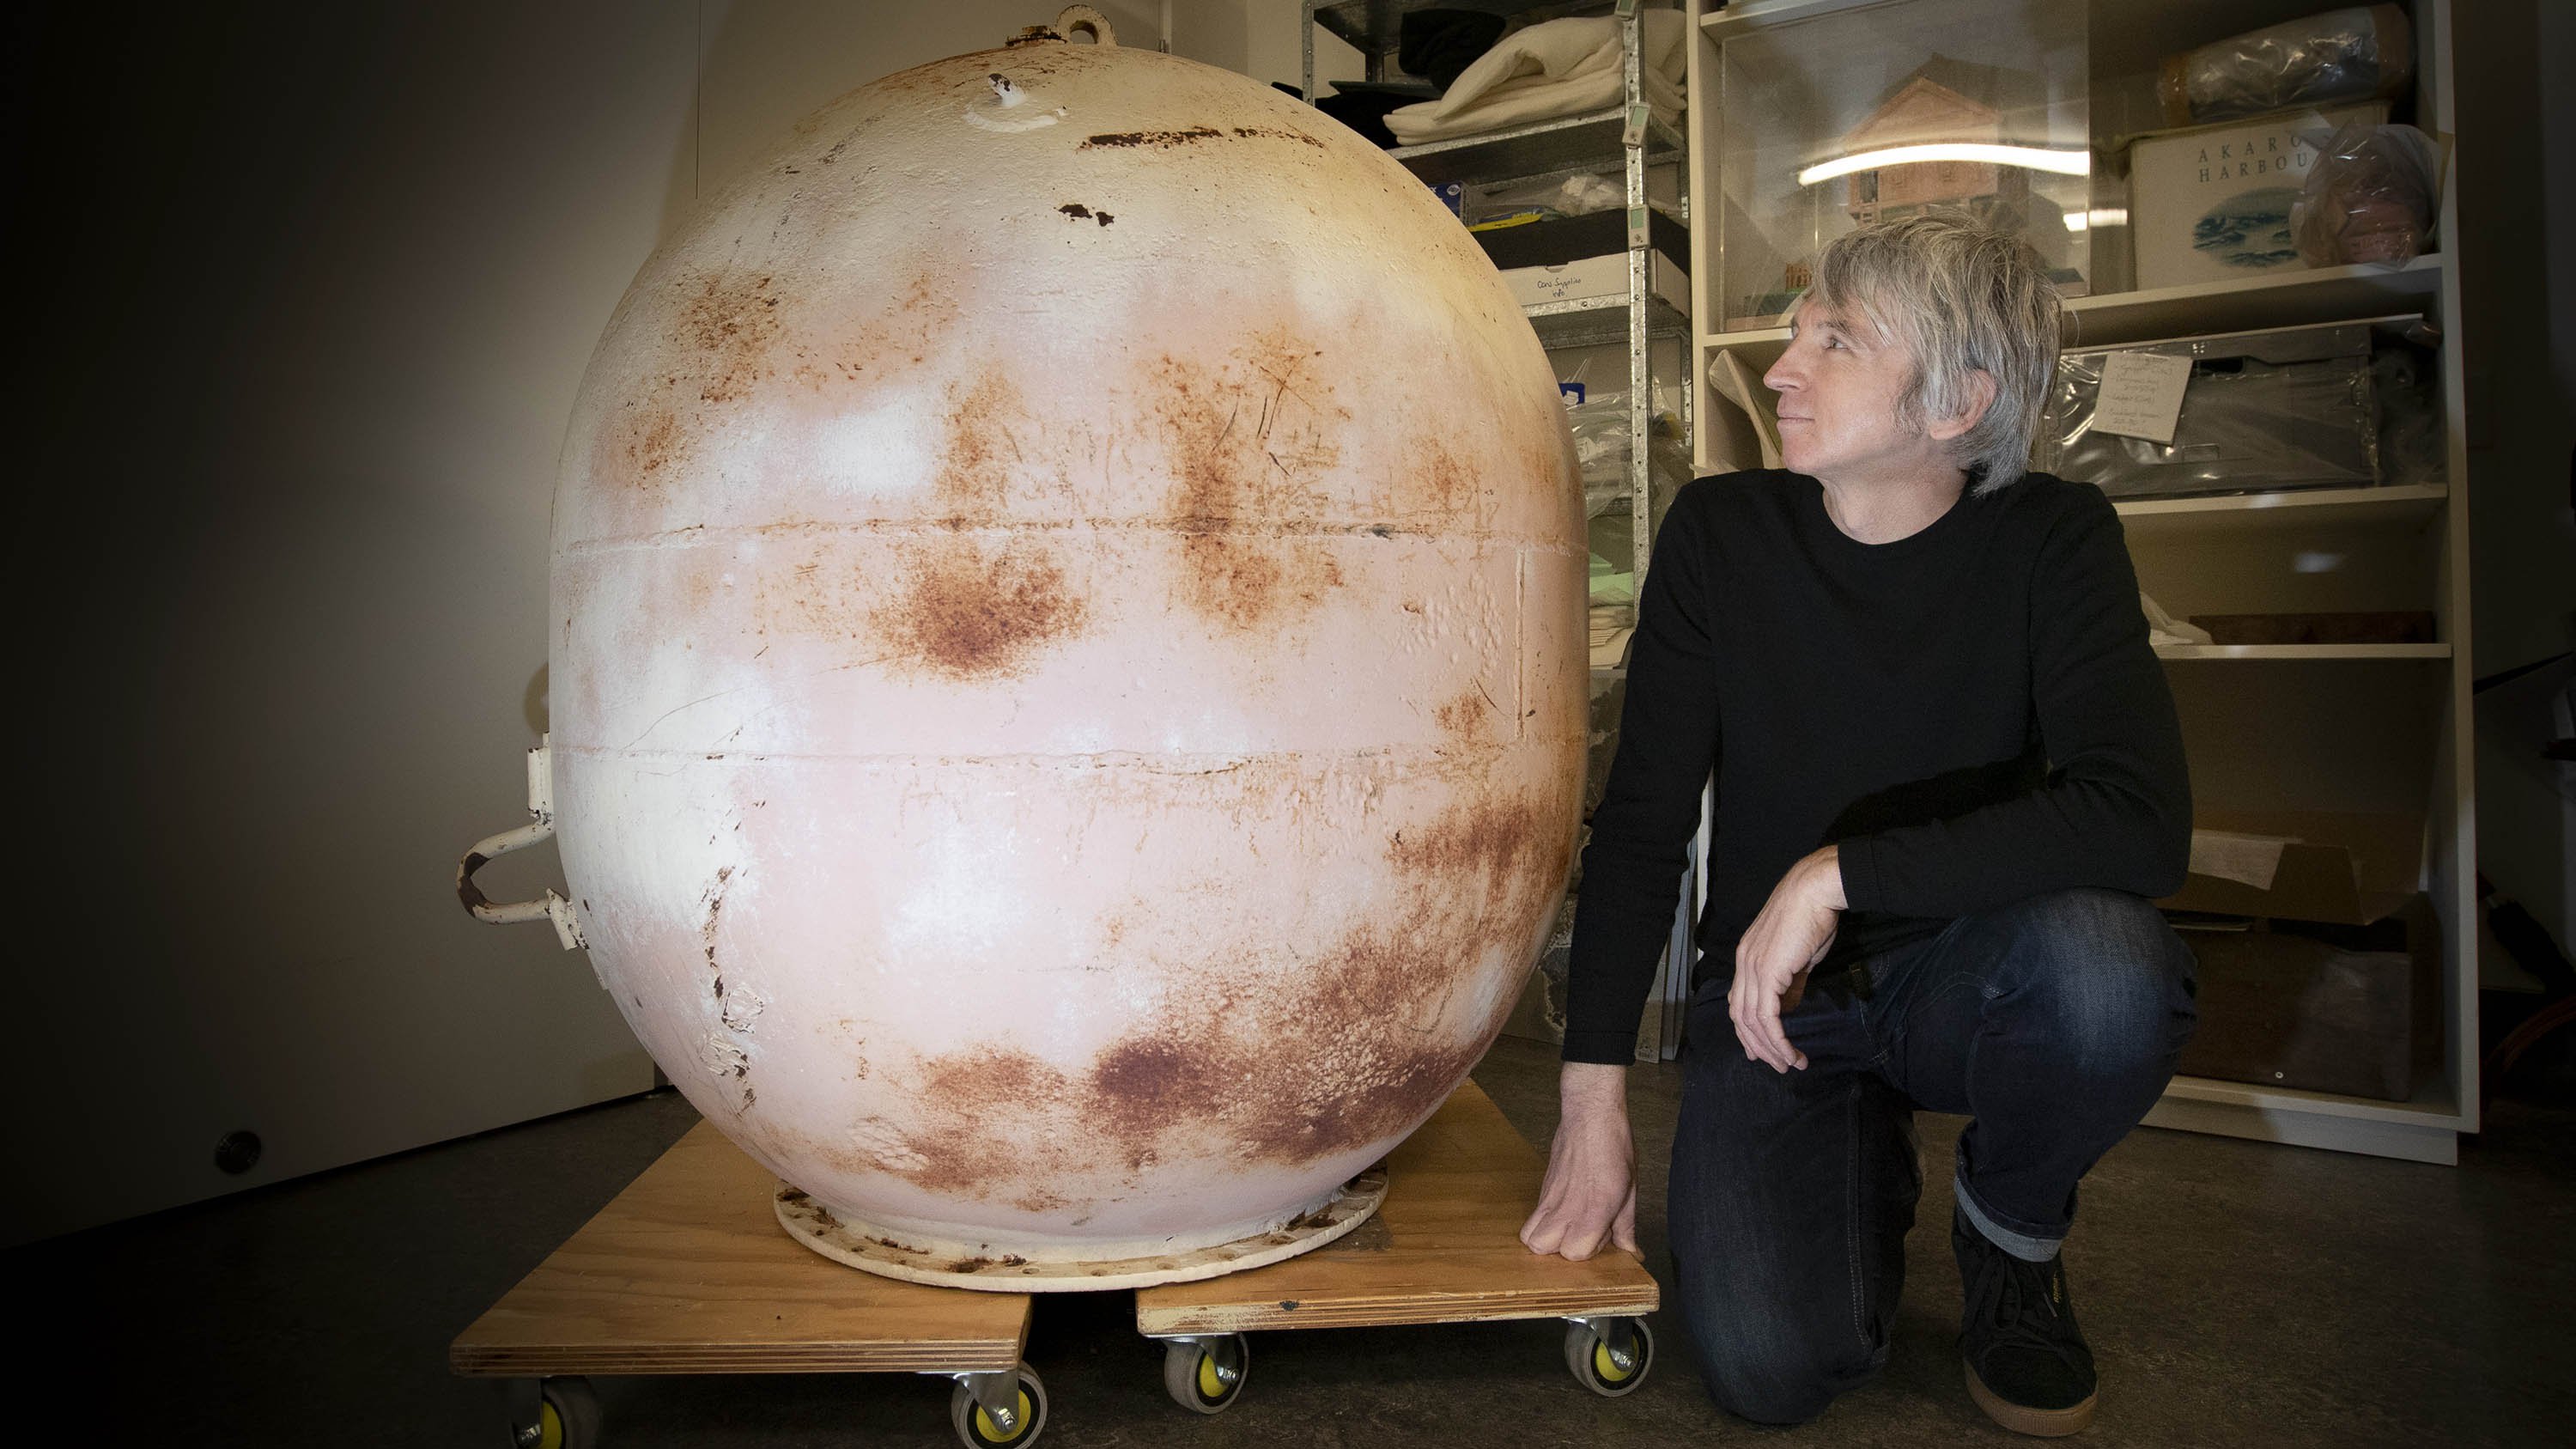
1590,1192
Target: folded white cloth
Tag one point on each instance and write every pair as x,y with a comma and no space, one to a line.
2164,628
1558,68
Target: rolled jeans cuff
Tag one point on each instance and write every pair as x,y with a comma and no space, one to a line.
2029,1247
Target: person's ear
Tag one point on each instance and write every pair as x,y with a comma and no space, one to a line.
1981,396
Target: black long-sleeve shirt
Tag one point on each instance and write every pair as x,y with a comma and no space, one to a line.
1972,713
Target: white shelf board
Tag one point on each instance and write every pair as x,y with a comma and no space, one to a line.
2306,508
1603,320
1745,16
2330,294
2431,1107
1541,148
2302,653
2327,294
2423,1130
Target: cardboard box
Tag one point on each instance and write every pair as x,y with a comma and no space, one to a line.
2327,866
2323,970
2353,1010
1601,276
2212,203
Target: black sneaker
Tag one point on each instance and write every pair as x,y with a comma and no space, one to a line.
2028,1367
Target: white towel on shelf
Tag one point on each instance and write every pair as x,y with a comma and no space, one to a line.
2162,628
1557,68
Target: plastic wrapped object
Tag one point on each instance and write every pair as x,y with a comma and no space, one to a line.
2340,55
2406,382
1579,195
2292,408
1600,427
2369,196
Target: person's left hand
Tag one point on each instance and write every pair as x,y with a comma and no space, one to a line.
1791,935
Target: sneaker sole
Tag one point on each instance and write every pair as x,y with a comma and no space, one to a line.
2022,1419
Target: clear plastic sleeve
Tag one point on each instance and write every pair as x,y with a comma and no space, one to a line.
2262,411
2339,55
2369,197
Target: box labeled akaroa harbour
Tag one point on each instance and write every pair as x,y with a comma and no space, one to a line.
2212,203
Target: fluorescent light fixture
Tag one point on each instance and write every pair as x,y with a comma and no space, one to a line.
2098,216
2035,158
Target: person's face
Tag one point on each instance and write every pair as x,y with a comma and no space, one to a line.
1838,384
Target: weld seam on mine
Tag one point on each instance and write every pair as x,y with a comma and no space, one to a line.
682,538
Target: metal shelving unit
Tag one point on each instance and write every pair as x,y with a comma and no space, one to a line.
1541,149
1371,26
1631,136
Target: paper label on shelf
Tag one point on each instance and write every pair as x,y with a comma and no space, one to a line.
2141,395
2249,860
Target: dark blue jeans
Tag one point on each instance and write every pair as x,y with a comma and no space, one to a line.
2053,1022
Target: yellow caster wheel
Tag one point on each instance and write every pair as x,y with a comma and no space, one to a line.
1205,1375
997,1411
567,1417
1609,1356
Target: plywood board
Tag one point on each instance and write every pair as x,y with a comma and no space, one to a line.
1444,1248
687,1271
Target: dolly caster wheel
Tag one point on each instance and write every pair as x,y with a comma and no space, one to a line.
1205,1375
567,1417
998,1411
1609,1356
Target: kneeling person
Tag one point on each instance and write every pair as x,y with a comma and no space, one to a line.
1948,781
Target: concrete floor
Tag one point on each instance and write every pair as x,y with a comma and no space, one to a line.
2236,1293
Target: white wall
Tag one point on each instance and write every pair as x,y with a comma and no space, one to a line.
320,285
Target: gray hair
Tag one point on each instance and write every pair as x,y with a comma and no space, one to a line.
1963,299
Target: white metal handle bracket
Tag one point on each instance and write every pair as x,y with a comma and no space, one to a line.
541,806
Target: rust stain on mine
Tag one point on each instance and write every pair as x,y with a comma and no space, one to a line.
1251,458
1447,488
1340,1051
970,610
1157,140
1278,133
973,482
655,443
734,321
1463,719
876,348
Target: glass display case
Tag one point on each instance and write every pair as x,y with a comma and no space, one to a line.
1865,115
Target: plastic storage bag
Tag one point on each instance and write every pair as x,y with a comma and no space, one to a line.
1600,427
2406,381
1542,200
2368,198
2293,408
2340,55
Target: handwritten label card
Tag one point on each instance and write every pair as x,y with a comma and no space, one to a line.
2141,395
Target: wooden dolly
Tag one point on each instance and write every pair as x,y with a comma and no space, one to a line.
1443,1248
687,1271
